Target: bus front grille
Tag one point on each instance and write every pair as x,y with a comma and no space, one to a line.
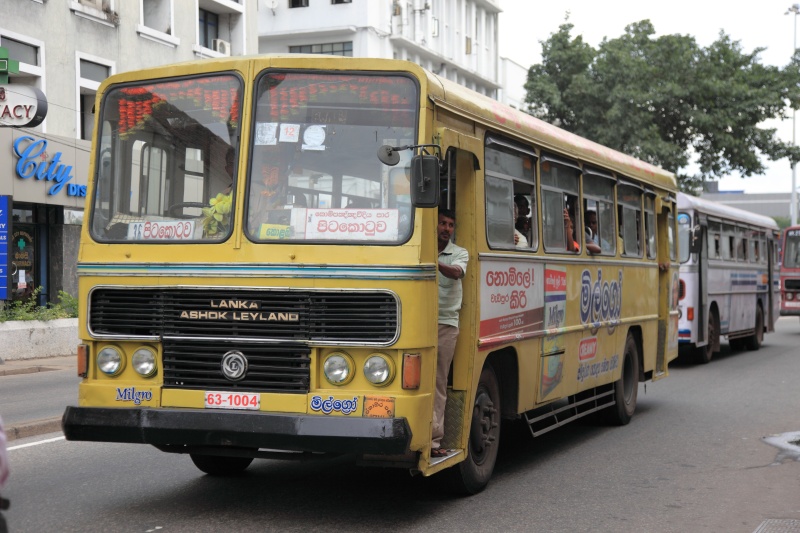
285,315
270,368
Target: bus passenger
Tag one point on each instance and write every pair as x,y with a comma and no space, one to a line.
271,197
452,267
519,239
572,244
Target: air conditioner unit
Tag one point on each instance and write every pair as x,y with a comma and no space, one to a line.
223,47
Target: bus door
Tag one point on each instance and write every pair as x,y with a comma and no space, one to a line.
773,303
699,245
668,279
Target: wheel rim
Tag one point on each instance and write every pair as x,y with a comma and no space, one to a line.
628,381
712,334
759,326
484,424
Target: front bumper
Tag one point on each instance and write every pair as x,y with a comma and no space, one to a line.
245,429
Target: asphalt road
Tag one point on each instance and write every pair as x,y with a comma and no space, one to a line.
696,457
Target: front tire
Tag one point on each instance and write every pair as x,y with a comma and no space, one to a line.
626,389
472,475
218,465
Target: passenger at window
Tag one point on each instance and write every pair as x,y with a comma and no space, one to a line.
520,241
569,232
271,197
592,235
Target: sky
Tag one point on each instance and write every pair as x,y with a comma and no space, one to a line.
762,24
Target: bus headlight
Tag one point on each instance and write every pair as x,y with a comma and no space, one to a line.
338,368
110,361
379,369
790,296
144,362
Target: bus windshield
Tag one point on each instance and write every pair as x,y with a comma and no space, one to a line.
314,174
791,250
684,232
164,163
166,168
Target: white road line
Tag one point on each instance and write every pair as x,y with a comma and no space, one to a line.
10,448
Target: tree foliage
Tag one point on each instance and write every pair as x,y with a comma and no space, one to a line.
667,100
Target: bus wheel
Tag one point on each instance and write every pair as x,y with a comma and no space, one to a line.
217,465
472,475
626,389
703,354
753,342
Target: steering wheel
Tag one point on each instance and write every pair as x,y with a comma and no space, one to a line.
589,234
176,210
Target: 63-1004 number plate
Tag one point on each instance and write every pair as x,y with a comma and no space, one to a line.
233,400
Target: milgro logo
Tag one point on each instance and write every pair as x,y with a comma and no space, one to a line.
130,394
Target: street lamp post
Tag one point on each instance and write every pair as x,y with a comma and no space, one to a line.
795,10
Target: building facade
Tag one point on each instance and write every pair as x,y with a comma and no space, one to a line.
456,39
66,48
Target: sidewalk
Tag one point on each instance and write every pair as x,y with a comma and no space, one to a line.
33,428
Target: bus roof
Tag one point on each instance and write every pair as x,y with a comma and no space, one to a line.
506,119
723,211
443,92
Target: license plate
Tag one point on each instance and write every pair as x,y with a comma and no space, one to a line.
233,400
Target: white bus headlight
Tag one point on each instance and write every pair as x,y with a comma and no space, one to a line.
790,296
378,369
338,368
110,361
144,362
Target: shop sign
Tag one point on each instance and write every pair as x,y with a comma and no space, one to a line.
5,234
22,106
33,163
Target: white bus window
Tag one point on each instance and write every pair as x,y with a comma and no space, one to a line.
684,235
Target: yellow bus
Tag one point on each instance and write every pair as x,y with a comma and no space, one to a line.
258,267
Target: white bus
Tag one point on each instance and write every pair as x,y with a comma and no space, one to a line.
729,283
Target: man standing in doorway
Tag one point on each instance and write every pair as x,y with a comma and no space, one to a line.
452,267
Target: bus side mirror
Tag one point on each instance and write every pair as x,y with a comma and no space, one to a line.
696,239
425,181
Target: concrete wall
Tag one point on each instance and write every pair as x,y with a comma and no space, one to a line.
32,339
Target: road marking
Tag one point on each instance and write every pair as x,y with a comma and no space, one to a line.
34,443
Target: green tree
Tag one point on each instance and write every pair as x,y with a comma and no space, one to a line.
667,100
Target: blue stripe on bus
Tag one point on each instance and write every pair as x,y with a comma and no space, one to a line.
364,272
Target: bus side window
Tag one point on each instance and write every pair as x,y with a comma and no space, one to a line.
560,189
629,205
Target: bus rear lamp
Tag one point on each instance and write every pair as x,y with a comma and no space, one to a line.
110,361
338,368
144,362
83,360
690,314
411,370
379,369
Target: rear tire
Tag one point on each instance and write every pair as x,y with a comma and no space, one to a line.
472,475
218,465
703,354
626,389
753,342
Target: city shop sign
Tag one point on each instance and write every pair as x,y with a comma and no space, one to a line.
22,106
33,163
